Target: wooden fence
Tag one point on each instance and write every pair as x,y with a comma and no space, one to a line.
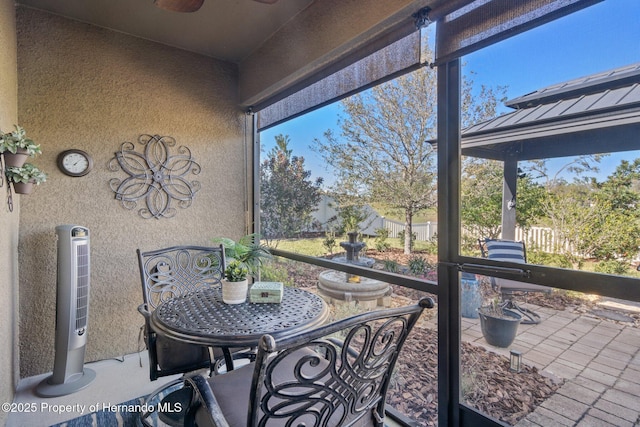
539,237
542,238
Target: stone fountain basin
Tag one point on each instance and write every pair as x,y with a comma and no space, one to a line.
334,285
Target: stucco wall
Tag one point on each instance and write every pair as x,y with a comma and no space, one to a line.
9,221
86,87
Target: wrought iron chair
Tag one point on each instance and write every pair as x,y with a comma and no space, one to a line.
168,273
511,251
335,375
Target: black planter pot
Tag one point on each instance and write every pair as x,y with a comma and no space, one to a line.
499,331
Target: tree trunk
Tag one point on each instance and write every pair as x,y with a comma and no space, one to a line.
408,220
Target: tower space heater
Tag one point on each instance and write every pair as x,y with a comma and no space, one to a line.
72,314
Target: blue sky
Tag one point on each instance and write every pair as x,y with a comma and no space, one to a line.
595,39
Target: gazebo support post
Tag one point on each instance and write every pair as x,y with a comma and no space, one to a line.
509,183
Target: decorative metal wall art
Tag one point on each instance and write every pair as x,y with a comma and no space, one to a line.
155,177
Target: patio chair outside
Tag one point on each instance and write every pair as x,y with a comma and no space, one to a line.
335,375
511,251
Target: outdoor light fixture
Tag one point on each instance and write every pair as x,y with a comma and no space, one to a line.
515,361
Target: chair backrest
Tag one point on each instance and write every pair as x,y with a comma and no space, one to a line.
503,250
171,272
335,375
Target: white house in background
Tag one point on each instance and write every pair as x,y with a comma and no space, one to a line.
326,215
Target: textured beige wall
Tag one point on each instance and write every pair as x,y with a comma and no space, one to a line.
9,221
85,87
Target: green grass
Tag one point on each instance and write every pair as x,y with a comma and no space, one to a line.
314,247
311,247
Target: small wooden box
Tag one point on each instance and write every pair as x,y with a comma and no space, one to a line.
266,292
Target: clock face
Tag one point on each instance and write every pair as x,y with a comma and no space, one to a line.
75,162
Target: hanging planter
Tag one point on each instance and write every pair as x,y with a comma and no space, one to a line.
17,159
16,147
25,177
23,187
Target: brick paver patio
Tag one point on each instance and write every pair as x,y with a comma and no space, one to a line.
598,358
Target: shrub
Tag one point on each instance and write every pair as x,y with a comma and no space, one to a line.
432,245
381,239
418,265
553,260
274,272
414,236
611,267
391,266
329,242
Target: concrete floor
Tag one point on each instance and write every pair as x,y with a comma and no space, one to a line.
117,380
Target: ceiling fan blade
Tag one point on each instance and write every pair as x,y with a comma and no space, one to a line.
266,1
179,5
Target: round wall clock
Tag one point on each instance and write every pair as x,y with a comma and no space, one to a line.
75,162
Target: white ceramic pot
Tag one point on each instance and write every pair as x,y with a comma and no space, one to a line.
234,292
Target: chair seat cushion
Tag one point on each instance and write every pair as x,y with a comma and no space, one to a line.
232,393
506,285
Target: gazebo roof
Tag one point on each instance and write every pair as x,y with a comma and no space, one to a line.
593,114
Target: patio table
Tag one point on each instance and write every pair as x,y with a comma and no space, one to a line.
201,317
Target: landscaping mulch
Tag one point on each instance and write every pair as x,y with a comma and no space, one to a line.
487,384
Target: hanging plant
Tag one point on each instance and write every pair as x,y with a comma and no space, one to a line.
25,177
25,173
17,140
16,147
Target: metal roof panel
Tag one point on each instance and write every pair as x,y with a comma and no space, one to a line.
610,79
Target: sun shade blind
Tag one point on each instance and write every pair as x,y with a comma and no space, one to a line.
483,22
391,61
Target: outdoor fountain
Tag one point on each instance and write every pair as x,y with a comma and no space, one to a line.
344,287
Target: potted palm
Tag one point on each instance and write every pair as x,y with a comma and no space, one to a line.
248,251
235,283
244,258
16,147
499,325
24,177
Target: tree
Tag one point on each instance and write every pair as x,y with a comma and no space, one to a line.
384,151
481,198
288,196
567,207
596,219
614,229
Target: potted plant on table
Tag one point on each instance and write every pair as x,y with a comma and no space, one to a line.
499,325
235,283
16,147
244,258
248,251
24,177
